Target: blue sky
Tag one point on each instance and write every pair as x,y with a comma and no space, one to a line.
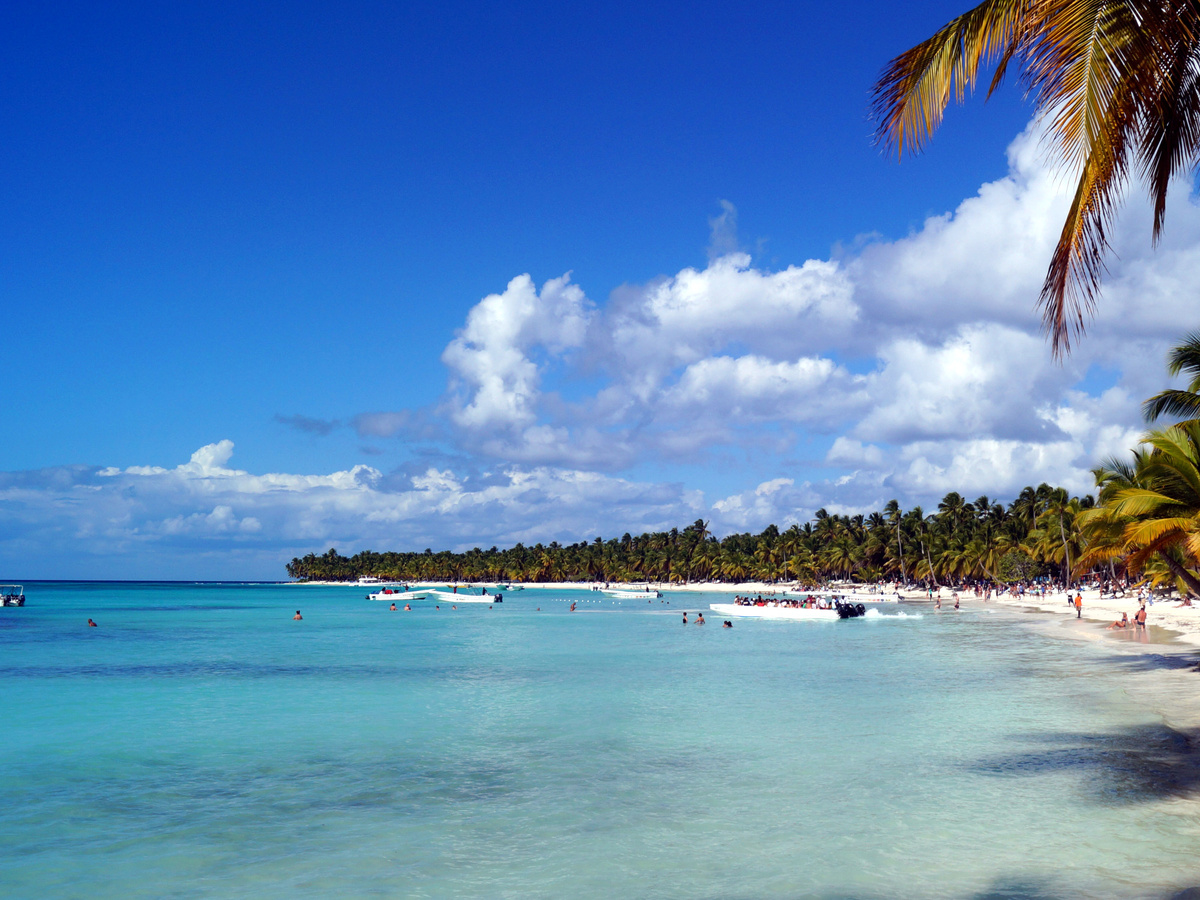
268,225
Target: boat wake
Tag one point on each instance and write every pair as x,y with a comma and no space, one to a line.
876,614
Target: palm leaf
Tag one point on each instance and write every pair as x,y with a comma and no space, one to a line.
914,89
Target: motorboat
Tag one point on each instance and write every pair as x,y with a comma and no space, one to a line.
395,592
12,595
464,597
643,594
773,609
851,597
790,613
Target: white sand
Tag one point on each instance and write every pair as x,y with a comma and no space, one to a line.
1183,620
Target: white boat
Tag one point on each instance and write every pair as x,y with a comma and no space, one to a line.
463,597
12,595
774,612
397,592
867,599
633,595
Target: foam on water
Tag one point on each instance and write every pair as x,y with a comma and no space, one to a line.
877,614
200,743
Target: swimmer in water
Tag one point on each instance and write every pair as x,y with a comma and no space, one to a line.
727,624
392,608
699,618
685,618
572,607
297,617
92,624
407,607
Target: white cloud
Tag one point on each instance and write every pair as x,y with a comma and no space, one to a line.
494,382
910,369
957,371
192,520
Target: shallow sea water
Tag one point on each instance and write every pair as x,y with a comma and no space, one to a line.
200,743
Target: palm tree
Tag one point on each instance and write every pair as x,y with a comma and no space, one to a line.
1119,84
895,517
1184,404
1057,532
1103,528
1163,505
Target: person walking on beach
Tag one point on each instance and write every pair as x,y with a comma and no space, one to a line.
1079,606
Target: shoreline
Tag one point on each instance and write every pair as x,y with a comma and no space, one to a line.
1184,621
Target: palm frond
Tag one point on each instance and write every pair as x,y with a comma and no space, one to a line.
914,89
1171,133
1179,404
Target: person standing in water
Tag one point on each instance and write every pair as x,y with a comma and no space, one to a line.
685,618
297,617
92,624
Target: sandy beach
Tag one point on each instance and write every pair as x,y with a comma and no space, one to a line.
1182,621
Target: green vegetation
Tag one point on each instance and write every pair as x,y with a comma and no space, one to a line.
962,540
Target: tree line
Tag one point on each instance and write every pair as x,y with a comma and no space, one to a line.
1143,524
1038,533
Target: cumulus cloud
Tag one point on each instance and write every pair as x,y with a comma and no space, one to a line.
200,517
957,373
494,381
910,368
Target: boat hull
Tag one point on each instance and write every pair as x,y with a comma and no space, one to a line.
398,595
788,613
450,596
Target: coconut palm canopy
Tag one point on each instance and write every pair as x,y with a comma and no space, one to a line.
1118,84
1038,533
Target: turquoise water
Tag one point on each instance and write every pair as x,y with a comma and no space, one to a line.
200,743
